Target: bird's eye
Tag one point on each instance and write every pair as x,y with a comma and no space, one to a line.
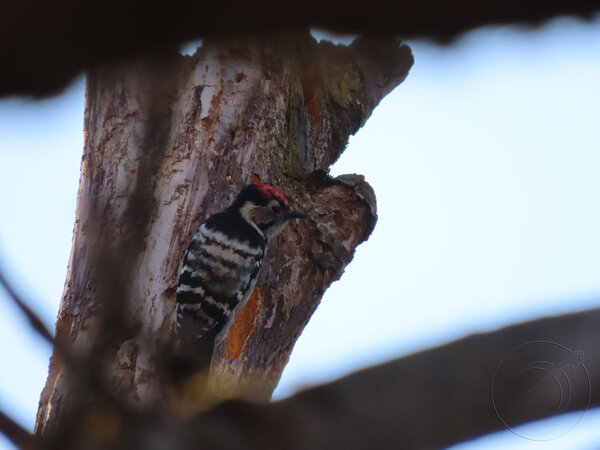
276,209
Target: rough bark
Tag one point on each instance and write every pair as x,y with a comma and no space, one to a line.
170,140
44,45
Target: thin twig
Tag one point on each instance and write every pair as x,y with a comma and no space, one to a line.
92,381
36,323
15,433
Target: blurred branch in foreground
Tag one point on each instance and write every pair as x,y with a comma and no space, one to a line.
34,320
66,38
430,399
84,380
15,433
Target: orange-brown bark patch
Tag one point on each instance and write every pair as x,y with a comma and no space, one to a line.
312,91
243,325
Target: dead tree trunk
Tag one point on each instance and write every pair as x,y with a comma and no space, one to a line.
169,140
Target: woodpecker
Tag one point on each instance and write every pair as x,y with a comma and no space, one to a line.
221,265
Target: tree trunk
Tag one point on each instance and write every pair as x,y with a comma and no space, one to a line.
170,140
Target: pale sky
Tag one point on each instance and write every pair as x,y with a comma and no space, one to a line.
485,163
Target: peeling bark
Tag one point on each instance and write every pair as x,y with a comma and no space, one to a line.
170,140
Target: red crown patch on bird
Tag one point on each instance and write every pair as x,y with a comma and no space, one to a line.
270,192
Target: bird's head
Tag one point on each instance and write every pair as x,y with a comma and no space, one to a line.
266,207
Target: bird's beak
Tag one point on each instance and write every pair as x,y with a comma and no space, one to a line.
295,214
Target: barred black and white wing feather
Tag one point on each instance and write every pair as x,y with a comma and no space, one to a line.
221,266
218,273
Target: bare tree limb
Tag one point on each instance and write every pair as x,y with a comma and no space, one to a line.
431,399
428,400
44,45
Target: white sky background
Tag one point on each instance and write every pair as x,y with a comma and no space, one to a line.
486,165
